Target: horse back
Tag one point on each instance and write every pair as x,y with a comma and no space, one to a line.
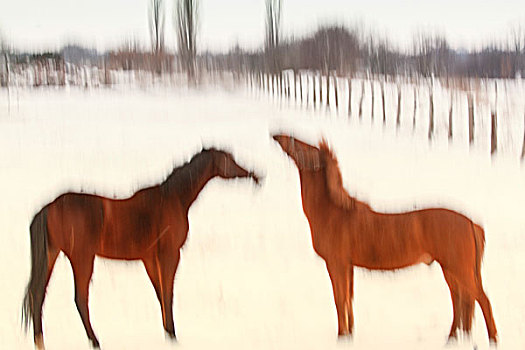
391,241
448,236
115,228
133,227
75,222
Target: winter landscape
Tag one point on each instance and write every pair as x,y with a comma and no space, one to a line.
259,284
411,130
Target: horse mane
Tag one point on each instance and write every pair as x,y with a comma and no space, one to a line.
181,177
334,180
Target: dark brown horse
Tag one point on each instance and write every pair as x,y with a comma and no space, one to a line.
347,233
152,226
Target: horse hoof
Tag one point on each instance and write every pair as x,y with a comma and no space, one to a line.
95,344
344,338
39,342
452,340
172,336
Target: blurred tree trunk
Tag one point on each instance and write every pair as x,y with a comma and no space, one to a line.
273,35
186,25
156,25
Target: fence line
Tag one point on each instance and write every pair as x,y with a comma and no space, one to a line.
480,125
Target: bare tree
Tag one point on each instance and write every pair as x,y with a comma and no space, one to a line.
5,78
186,26
156,25
518,37
381,60
433,54
517,44
273,34
4,54
423,47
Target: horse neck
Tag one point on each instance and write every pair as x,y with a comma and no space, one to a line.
314,193
316,206
189,181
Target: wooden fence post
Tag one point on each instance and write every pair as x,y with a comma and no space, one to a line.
398,119
373,97
450,120
493,133
314,79
295,86
349,97
431,116
470,119
336,95
383,101
523,147
361,99
415,109
301,88
328,90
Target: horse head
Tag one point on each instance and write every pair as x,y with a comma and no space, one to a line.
305,156
226,167
311,158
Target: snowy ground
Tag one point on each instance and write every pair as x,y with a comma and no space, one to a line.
248,277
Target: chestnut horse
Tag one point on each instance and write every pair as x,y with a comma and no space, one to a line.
152,226
347,233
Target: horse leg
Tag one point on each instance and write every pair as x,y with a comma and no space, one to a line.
467,305
338,273
470,282
349,297
153,270
168,269
52,254
484,303
82,271
153,274
456,303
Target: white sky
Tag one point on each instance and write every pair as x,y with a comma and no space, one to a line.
39,24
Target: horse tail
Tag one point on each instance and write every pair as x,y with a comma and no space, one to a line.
37,283
479,240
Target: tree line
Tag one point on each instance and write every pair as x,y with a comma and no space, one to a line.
330,49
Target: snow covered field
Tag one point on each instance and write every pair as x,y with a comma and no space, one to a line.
248,277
